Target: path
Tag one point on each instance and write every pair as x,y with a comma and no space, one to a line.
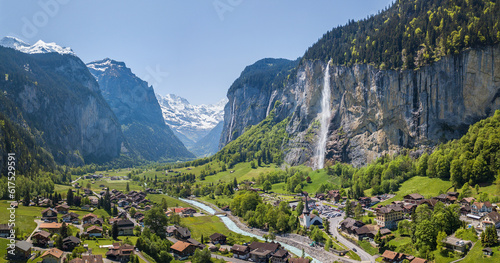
38,222
465,255
139,254
76,179
334,222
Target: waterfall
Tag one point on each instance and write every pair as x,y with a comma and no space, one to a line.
324,119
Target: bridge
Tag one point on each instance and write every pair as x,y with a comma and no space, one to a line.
220,214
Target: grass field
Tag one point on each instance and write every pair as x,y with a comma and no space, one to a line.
25,216
428,187
171,202
476,255
94,244
208,225
366,246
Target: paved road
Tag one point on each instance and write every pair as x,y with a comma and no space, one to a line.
141,256
38,222
334,222
76,180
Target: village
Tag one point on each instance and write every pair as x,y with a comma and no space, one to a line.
66,232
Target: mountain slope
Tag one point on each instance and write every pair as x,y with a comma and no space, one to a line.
39,47
374,111
209,144
57,98
138,112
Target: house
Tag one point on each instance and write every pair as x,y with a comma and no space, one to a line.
374,200
71,218
467,201
122,203
487,251
413,198
369,232
62,209
298,260
70,243
307,219
94,231
182,250
491,219
41,238
409,208
395,257
481,208
22,251
365,201
350,225
49,215
88,259
4,230
184,211
218,238
240,251
53,255
182,233
196,243
125,227
429,202
88,218
119,252
456,244
51,227
320,196
446,198
465,209
170,230
261,252
388,216
280,256
334,195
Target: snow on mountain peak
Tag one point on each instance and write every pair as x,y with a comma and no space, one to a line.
38,48
193,121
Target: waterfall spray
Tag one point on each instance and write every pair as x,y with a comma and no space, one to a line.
324,119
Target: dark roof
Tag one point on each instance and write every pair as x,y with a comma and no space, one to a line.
23,245
390,208
88,259
266,246
298,260
280,253
494,216
4,227
42,233
124,222
239,248
487,249
217,236
71,239
183,231
415,196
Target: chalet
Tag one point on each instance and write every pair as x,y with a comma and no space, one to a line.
41,238
491,219
334,195
321,196
448,198
182,233
481,208
88,218
53,255
413,198
138,215
49,215
22,251
298,260
409,208
374,200
218,238
70,243
196,243
487,251
456,244
369,232
388,216
93,200
467,201
119,252
71,218
365,201
62,209
261,252
465,209
122,203
350,225
280,256
240,251
88,259
51,227
4,230
182,250
94,231
395,257
429,202
170,230
125,227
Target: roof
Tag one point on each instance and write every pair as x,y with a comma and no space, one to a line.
239,248
124,222
94,228
280,253
183,231
418,260
47,209
4,227
57,253
487,249
495,216
23,245
180,246
390,208
51,225
64,206
267,246
261,252
298,260
42,233
390,254
89,215
415,196
217,236
71,239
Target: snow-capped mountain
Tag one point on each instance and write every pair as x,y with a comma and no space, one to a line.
37,48
190,122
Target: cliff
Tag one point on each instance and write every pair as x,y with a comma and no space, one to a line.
373,111
138,111
55,98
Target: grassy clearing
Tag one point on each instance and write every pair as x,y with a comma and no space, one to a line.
94,244
476,255
171,202
428,187
366,246
25,216
208,225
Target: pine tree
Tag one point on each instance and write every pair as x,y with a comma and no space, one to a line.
69,197
114,231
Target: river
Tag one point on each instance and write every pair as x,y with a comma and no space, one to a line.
233,227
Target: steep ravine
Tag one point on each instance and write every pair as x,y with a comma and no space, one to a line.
373,111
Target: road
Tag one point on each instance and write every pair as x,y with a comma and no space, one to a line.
121,210
334,222
77,179
38,222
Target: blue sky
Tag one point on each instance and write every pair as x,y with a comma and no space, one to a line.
195,49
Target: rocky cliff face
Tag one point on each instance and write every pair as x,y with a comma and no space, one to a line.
138,111
57,97
374,111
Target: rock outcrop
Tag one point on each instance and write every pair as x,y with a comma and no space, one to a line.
374,112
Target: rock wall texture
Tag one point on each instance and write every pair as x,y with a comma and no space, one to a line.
375,112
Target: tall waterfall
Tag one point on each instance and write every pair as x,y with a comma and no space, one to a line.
324,119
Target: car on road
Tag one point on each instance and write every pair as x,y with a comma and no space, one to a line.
354,249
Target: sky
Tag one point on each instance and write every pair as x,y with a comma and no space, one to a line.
194,49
